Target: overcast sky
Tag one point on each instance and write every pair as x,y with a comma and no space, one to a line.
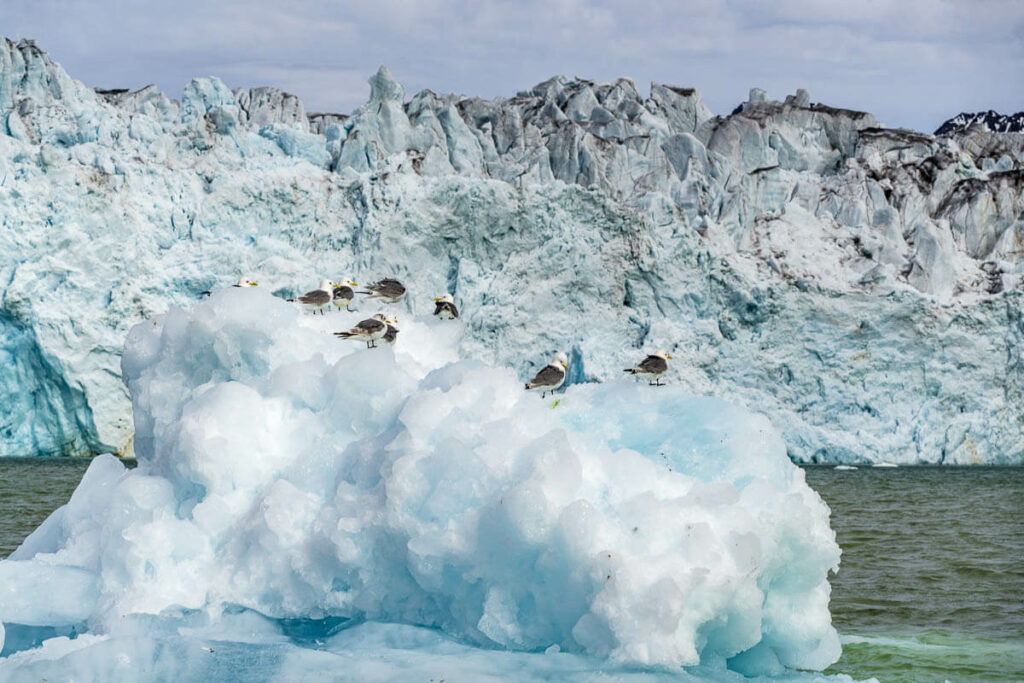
912,63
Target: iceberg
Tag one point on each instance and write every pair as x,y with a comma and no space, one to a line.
860,285
306,504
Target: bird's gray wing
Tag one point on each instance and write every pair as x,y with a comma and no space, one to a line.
317,297
548,376
654,365
391,334
343,292
389,288
451,309
370,325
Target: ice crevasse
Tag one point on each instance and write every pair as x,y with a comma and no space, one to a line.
299,484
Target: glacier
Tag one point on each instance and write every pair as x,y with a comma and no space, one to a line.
305,504
859,285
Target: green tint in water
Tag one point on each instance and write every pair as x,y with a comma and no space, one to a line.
929,589
932,571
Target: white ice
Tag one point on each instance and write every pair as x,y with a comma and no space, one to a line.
308,503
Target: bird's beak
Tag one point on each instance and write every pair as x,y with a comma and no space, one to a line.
566,367
254,284
669,357
437,298
353,284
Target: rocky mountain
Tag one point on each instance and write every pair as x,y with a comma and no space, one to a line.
987,121
860,285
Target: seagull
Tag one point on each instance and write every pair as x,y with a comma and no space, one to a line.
343,293
370,329
551,375
387,290
242,282
444,307
654,366
317,299
392,334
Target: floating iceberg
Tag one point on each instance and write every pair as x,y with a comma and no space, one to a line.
303,503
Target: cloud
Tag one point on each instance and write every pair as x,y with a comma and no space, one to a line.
911,62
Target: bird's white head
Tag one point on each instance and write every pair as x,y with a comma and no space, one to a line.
245,282
347,282
662,354
561,359
392,321
447,298
326,284
381,317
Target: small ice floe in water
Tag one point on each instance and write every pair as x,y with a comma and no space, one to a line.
884,464
845,467
291,491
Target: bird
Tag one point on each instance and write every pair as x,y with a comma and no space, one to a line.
242,282
369,330
392,334
317,299
444,307
343,293
654,366
387,290
551,375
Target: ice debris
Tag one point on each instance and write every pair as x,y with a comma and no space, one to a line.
290,486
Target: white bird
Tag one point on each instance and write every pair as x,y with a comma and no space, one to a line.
444,307
319,298
654,366
242,282
551,376
369,330
343,293
392,334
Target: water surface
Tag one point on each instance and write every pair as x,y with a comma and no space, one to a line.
931,585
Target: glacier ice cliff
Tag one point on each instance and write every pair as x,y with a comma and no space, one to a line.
862,286
298,492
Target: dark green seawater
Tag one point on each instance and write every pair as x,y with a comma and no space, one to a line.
931,583
931,586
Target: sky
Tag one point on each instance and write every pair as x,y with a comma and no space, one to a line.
912,63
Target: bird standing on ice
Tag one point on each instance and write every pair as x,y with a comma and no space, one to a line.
551,376
319,298
392,334
654,366
242,282
387,290
444,307
343,293
369,330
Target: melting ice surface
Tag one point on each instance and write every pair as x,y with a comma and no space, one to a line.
304,504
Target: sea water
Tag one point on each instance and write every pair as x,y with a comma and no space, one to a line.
929,588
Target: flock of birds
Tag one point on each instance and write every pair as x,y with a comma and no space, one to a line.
384,327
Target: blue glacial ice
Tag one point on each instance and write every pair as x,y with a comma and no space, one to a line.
860,285
305,504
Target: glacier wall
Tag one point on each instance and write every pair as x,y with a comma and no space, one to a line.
862,286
